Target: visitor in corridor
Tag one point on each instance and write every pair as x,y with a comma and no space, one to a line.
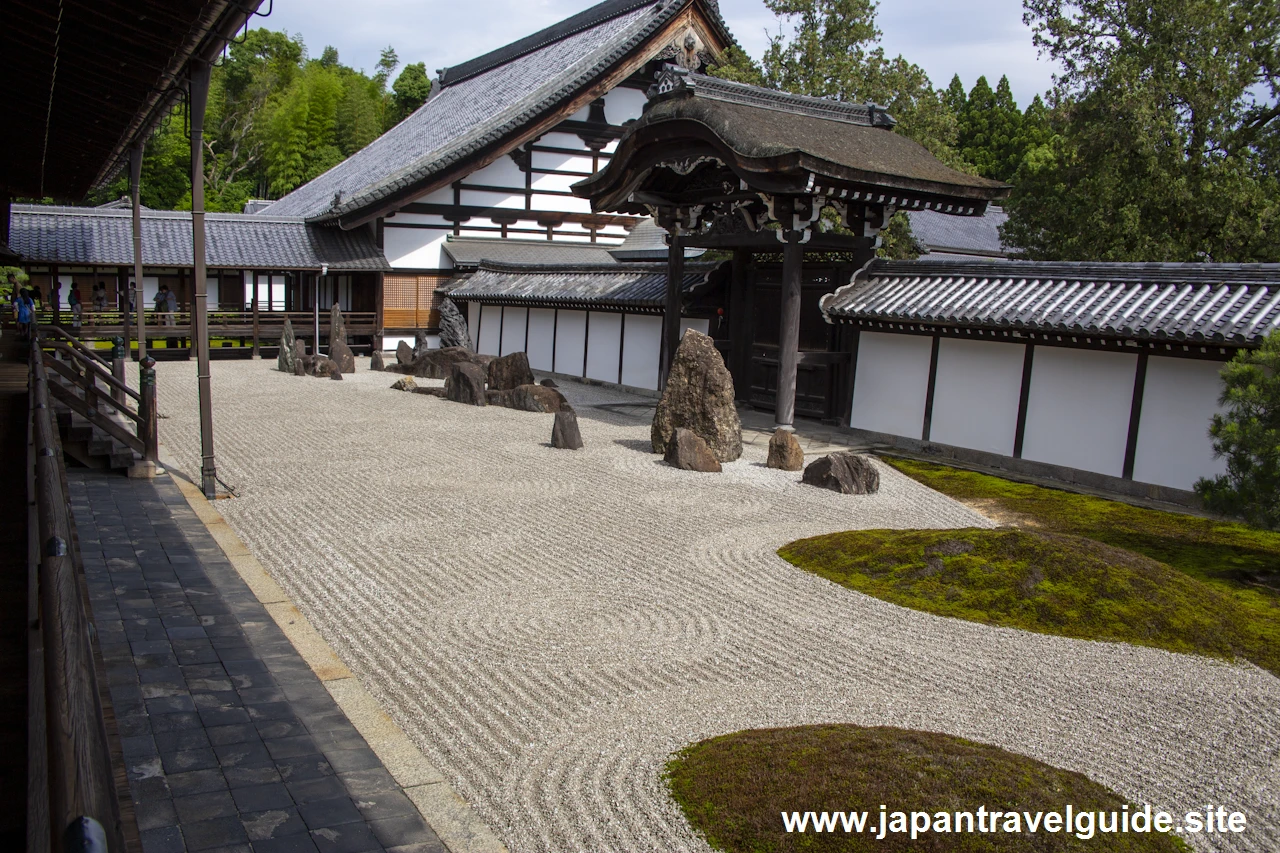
76,305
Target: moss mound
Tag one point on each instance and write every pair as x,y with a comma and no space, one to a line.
734,789
1050,583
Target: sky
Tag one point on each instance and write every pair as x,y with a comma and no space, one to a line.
966,37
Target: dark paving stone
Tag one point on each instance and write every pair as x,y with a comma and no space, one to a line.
397,831
321,813
251,775
292,747
219,832
175,722
362,783
182,740
345,760
348,838
163,840
200,807
304,767
311,790
273,823
188,760
196,782
155,814
289,844
385,804
236,733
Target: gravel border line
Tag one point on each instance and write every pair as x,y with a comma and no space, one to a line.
450,816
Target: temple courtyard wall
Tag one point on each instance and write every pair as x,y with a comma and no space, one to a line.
549,626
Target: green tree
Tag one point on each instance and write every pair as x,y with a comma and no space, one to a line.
1248,435
990,130
955,97
1165,125
409,92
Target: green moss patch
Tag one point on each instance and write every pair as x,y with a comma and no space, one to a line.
1045,582
734,790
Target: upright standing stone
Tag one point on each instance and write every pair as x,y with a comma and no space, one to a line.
421,346
510,371
342,354
466,384
404,354
564,432
453,326
377,362
785,452
337,328
845,472
699,397
286,359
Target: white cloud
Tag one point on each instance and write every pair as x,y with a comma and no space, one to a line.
945,37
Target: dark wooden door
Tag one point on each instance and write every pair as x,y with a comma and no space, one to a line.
817,371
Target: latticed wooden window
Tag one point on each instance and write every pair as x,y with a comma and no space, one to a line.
409,300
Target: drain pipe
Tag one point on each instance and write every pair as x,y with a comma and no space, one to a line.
315,308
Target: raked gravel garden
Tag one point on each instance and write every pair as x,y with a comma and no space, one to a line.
549,626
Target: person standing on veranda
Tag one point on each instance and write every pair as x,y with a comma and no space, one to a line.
171,306
76,305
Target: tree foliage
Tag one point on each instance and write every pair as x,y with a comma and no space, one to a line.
1248,435
276,119
409,92
1165,142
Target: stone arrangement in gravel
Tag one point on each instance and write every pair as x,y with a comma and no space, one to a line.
687,451
453,326
293,358
848,473
549,641
785,452
287,357
699,397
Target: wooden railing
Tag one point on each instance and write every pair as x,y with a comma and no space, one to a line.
264,326
73,801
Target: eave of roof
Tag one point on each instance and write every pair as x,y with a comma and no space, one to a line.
328,198
639,287
470,252
1235,304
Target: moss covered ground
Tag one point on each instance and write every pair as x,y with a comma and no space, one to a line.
735,788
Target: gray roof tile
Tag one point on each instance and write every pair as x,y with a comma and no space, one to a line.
89,236
461,119
1215,303
470,251
635,286
963,235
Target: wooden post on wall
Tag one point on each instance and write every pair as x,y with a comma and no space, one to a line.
256,353
1135,416
740,331
789,333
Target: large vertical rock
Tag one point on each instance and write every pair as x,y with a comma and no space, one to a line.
404,354
421,345
287,357
377,362
337,328
453,326
564,432
338,349
510,371
466,384
699,397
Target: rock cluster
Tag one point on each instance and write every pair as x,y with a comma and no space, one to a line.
529,398
699,398
404,354
689,452
845,472
466,384
785,452
339,351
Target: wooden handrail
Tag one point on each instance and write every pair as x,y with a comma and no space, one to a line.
74,343
81,791
103,373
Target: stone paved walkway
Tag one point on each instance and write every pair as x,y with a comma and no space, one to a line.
231,741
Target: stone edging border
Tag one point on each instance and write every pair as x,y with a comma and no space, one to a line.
450,816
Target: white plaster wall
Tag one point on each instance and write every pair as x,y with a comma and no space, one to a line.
571,337
513,320
641,351
975,397
1178,399
490,330
604,346
622,104
1078,408
473,320
415,248
542,327
891,383
702,325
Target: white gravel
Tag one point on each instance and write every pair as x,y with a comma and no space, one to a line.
549,626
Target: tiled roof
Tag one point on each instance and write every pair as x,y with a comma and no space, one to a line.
470,251
1219,303
89,236
647,242
490,101
634,286
960,235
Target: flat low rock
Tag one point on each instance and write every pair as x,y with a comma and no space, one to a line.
404,383
466,384
688,452
529,398
785,452
510,372
847,472
564,432
429,391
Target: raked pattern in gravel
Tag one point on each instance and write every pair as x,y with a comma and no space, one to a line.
549,626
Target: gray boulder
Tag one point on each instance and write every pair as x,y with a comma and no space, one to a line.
466,384
564,432
845,472
288,357
510,371
439,363
322,366
699,397
784,451
528,398
404,354
689,452
377,362
453,326
429,390
550,383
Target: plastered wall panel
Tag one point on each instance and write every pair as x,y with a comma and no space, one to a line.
414,248
490,330
513,327
641,351
542,327
891,383
975,398
1179,397
1078,408
571,339
604,346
